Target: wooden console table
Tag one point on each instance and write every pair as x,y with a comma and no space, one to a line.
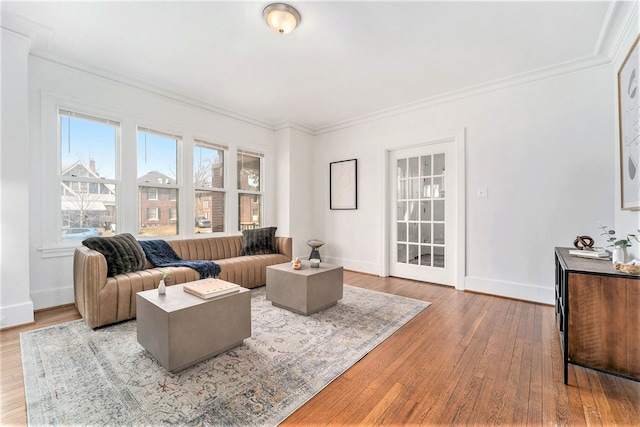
598,314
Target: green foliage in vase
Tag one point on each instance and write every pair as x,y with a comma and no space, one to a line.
614,241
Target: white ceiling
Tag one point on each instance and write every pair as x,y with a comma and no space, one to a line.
345,60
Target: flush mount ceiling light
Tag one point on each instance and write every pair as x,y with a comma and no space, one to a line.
281,17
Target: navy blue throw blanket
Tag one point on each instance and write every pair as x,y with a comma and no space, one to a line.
162,255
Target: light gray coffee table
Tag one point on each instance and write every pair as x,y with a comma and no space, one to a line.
180,329
304,291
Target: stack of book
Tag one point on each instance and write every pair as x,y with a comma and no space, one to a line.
209,288
597,253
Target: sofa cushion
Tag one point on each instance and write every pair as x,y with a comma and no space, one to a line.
259,241
122,252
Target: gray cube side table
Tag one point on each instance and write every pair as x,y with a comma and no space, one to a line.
307,290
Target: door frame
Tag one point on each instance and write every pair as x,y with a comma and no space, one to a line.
457,138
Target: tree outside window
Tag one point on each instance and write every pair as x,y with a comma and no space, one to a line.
87,175
249,190
209,183
157,179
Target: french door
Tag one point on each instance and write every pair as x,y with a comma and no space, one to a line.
423,215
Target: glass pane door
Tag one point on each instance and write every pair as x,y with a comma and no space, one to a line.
420,219
422,224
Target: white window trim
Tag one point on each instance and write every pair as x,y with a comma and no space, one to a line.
205,143
260,192
52,110
225,153
126,180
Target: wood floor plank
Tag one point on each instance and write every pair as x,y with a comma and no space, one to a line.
468,359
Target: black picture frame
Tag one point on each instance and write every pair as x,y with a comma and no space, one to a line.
343,185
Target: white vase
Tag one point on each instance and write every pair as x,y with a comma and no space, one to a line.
619,254
162,289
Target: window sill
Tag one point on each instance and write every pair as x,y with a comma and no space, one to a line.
57,252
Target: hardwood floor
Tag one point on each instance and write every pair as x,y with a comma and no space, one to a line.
468,359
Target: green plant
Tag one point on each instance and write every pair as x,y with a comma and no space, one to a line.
165,273
614,241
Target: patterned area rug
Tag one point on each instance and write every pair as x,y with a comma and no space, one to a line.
77,376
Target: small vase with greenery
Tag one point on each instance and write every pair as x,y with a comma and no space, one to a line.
162,288
619,254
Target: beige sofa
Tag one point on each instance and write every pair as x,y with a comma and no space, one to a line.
103,300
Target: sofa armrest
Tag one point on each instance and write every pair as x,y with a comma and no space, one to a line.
284,246
89,276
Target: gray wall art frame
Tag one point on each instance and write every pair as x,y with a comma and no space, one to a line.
629,117
343,184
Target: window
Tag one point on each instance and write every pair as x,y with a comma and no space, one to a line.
249,190
157,176
87,170
209,183
153,214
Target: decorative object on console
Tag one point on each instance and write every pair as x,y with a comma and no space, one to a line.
315,263
583,242
632,267
619,255
296,263
594,253
619,251
315,244
629,115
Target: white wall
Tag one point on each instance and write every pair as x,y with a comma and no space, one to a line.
542,149
304,216
295,193
16,306
50,85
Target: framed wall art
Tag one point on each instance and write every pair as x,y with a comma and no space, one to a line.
343,185
629,116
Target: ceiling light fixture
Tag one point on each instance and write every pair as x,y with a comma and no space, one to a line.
281,17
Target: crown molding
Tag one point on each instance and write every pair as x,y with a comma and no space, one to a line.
149,88
286,124
500,84
39,36
622,19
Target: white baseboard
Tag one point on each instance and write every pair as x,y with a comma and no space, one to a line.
355,265
510,290
52,297
18,314
520,291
